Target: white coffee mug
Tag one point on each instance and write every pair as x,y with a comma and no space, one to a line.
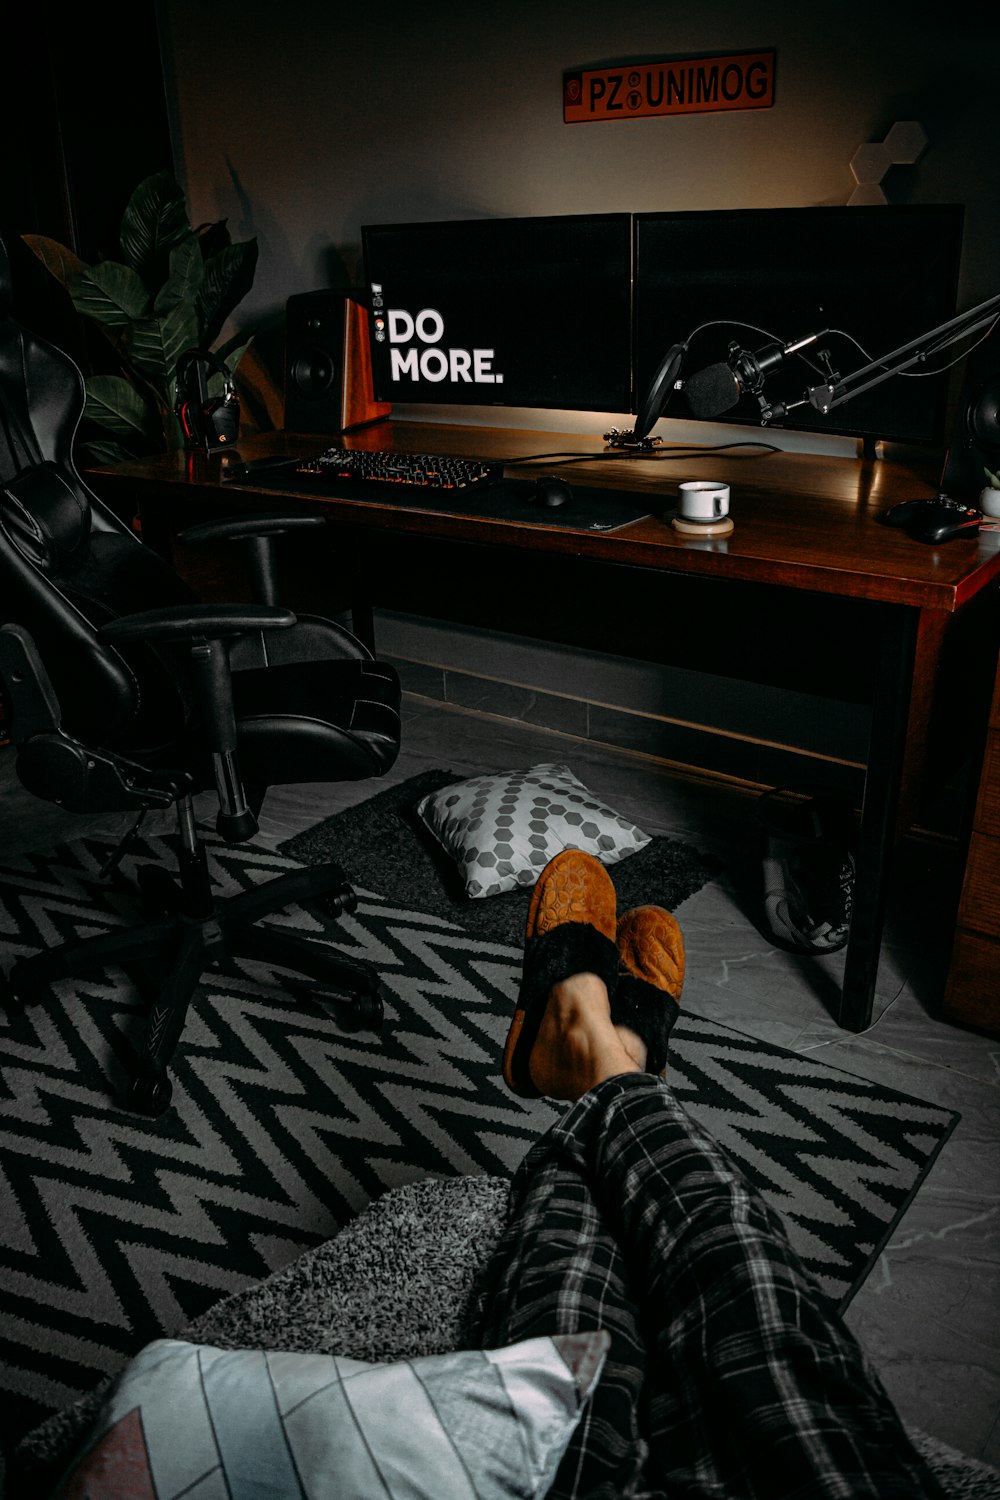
703,500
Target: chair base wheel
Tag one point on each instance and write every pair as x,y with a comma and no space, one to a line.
335,903
361,1010
148,1095
368,1010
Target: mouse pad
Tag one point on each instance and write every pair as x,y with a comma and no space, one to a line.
506,500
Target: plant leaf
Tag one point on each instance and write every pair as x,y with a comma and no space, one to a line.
187,271
228,277
114,403
213,237
109,293
233,350
56,259
156,344
155,220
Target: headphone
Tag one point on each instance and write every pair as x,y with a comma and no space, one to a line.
206,421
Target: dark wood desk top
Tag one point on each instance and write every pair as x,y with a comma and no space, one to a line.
801,521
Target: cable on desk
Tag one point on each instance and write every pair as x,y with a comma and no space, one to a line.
647,455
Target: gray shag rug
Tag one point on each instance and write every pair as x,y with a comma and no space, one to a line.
397,1283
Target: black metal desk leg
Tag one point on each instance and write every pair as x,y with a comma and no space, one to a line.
887,742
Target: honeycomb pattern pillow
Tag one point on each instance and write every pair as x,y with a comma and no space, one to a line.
502,830
236,1424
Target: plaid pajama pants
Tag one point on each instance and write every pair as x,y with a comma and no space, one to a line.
729,1374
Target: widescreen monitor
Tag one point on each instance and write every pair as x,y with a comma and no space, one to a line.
532,312
876,276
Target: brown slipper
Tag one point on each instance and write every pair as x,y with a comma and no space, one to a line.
570,930
647,994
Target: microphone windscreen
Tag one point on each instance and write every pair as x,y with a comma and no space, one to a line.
712,391
660,390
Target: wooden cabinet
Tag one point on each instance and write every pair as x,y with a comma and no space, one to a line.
972,994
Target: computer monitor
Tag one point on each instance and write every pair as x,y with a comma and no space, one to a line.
532,312
879,275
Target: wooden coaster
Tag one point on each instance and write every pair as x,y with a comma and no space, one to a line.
722,527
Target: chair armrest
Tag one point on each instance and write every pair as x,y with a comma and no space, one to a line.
235,528
207,629
197,622
257,534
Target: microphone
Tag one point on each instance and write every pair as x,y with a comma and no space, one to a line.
717,388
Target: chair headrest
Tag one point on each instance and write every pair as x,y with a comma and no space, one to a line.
44,515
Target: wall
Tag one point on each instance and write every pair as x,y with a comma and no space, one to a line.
316,118
304,121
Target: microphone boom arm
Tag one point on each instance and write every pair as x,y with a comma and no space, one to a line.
826,397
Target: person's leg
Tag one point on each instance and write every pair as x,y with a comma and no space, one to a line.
724,1355
558,1269
754,1387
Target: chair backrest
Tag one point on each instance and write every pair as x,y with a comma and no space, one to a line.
67,564
41,393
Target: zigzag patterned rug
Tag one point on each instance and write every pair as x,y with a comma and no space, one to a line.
114,1228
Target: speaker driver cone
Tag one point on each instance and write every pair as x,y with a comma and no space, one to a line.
984,415
313,372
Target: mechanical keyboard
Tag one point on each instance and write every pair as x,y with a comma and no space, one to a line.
435,482
420,470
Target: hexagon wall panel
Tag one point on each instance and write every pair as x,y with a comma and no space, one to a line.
905,142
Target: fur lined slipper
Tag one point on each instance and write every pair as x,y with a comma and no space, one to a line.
647,994
570,930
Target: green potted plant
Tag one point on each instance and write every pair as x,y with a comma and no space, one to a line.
989,495
172,290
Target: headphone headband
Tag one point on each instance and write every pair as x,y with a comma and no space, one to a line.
192,359
207,422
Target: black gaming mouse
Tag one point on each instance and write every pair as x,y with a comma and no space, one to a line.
939,520
551,491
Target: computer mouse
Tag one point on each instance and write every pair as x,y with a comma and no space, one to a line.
551,491
939,520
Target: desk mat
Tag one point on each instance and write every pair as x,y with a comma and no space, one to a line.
590,509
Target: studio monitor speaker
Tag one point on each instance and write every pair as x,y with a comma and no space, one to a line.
328,373
975,445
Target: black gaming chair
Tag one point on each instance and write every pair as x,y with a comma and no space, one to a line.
123,692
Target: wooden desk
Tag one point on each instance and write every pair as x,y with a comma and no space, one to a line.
972,994
809,588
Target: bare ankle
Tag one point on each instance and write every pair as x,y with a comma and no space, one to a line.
577,1046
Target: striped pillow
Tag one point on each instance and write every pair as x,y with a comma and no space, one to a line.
254,1425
